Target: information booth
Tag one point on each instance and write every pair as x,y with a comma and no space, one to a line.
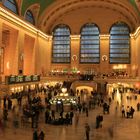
63,101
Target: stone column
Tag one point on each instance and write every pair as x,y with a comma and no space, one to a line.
35,56
1,46
136,56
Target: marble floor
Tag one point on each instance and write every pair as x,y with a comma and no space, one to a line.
114,127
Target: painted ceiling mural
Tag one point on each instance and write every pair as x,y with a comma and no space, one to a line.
136,4
43,4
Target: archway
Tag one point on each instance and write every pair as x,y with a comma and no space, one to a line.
84,93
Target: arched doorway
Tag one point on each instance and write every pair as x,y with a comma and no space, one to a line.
84,93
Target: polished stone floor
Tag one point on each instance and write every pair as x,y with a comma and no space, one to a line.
114,126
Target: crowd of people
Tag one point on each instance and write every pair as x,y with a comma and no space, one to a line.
29,107
128,112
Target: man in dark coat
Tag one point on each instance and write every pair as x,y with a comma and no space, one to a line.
35,135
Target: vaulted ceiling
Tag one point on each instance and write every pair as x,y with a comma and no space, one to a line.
45,3
75,13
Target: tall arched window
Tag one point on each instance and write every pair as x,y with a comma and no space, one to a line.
29,17
120,44
61,44
11,5
90,44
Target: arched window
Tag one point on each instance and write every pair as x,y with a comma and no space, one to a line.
29,17
61,44
120,44
90,44
11,5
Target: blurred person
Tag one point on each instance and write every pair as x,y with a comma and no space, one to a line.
41,135
53,114
71,116
86,109
15,121
87,131
0,102
4,101
5,114
127,111
123,111
110,131
76,118
35,135
47,114
1,126
99,119
132,110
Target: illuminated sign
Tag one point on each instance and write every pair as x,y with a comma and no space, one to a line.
19,79
27,78
35,78
15,79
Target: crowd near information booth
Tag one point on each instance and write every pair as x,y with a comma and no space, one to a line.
63,101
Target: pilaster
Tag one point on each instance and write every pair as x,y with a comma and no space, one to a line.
19,53
104,53
75,48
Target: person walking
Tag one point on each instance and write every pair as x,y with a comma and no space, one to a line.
123,111
76,118
47,114
128,111
67,118
41,135
53,114
1,127
5,114
4,102
15,122
71,117
87,131
35,135
138,106
99,120
86,109
111,133
132,110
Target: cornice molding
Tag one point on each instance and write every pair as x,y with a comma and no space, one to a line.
60,9
12,18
